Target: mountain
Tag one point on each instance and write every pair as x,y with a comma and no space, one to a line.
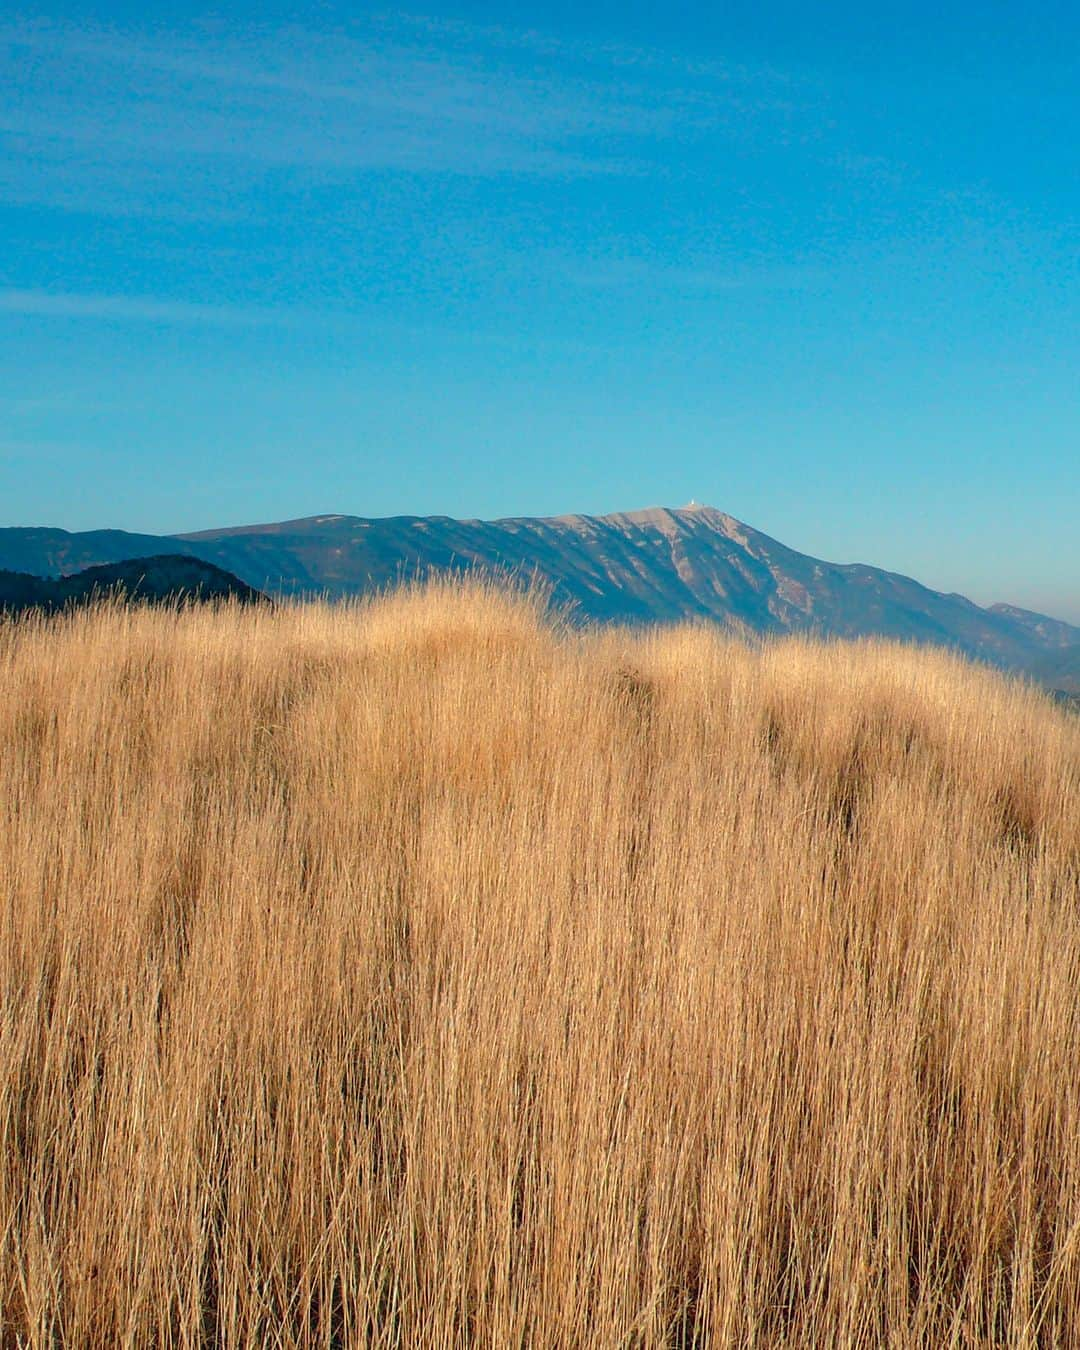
1053,634
653,566
1059,669
157,580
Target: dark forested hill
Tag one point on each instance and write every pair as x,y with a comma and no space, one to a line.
158,579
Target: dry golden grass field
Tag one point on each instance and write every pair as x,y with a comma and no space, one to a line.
424,974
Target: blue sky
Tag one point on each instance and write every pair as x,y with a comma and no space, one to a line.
815,265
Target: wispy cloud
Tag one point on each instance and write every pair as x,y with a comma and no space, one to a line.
302,165
127,308
768,83
698,277
303,321
414,97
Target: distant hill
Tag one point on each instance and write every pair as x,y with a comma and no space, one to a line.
653,566
1060,670
158,579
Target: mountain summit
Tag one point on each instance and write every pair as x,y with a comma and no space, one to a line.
659,565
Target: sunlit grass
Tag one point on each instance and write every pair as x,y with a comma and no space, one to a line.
421,974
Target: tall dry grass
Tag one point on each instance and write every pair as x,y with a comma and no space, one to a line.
423,975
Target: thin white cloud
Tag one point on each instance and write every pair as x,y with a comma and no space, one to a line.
697,277
767,81
130,309
414,100
126,308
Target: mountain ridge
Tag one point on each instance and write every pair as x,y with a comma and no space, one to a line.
655,565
